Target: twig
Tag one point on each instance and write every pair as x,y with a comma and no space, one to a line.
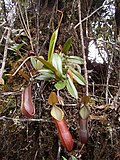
23,20
3,35
5,53
116,98
108,77
20,66
7,43
82,147
10,93
4,10
38,32
31,43
4,118
93,85
89,15
103,85
36,153
59,150
83,47
60,18
22,24
25,25
2,23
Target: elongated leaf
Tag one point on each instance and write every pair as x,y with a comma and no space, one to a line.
19,46
75,59
36,63
70,74
45,71
71,88
47,64
44,77
50,75
39,65
16,47
46,74
64,158
57,63
33,61
67,45
52,45
73,158
60,85
77,76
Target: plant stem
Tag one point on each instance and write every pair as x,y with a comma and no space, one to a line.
83,46
5,53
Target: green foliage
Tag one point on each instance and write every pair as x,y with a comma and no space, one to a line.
57,63
47,64
73,158
60,67
46,74
67,45
77,76
74,59
71,88
64,158
60,85
52,45
36,63
16,47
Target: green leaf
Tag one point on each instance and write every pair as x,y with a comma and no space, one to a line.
39,65
64,158
67,45
73,158
46,73
57,63
60,85
44,77
77,76
75,59
16,47
33,61
19,46
71,88
47,64
36,63
52,45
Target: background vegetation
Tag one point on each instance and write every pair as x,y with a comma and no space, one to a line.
25,30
